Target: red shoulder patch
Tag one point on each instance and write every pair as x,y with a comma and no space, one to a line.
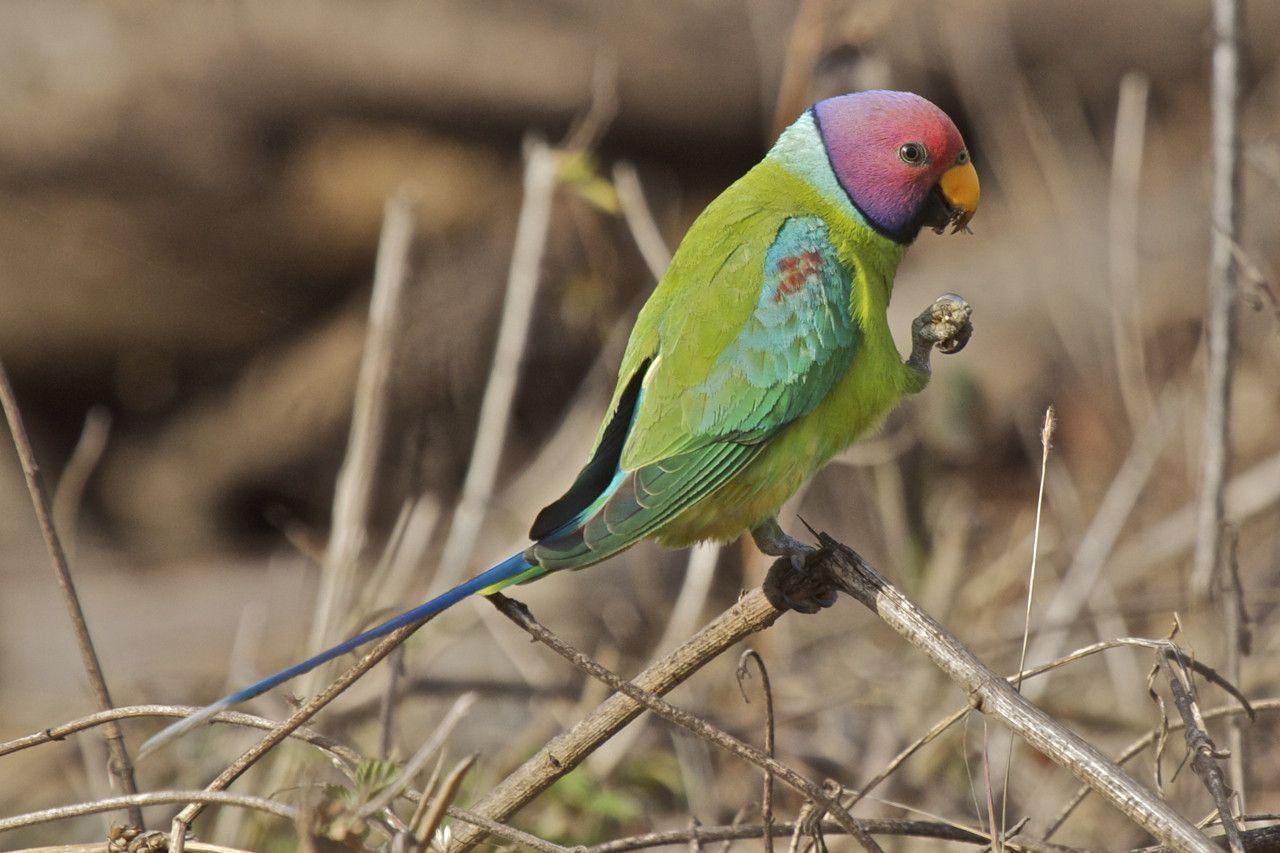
795,271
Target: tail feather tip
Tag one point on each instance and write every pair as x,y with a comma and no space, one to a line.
176,730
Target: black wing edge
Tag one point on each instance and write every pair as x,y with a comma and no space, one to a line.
598,473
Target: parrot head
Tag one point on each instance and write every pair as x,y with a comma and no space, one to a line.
900,160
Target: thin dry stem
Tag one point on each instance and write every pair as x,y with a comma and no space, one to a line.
1220,323
750,614
997,837
1230,711
1253,491
699,573
639,218
151,798
519,614
1046,441
353,493
431,811
909,828
995,696
120,767
306,712
766,795
1235,625
84,459
959,713
501,830
1124,217
128,712
494,421
419,759
1080,579
1204,754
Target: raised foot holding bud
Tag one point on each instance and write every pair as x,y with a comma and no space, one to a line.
946,324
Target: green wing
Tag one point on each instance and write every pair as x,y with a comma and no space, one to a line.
748,331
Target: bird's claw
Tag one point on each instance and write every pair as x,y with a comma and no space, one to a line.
947,324
795,582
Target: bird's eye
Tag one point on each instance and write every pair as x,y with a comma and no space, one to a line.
962,158
913,154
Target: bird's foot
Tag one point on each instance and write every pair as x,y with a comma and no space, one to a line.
947,324
796,581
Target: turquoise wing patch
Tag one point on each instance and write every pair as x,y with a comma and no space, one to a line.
796,344
798,341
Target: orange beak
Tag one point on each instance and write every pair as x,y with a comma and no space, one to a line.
959,186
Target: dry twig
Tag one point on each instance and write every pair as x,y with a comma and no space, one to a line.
1204,754
766,796
1230,711
519,614
501,830
306,712
432,809
1249,493
1238,641
683,619
353,493
875,826
121,768
69,492
494,420
1046,440
1099,540
639,218
1220,324
128,712
995,696
750,614
1124,216
151,798
419,759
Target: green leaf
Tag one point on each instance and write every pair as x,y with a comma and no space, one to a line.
578,172
372,776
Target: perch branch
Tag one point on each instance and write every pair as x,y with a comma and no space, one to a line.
750,614
1229,711
959,713
519,614
120,765
993,695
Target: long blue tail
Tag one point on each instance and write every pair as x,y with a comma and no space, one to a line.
509,569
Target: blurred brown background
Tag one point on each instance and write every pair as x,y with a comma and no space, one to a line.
190,201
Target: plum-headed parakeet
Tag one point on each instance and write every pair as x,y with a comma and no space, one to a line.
764,350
